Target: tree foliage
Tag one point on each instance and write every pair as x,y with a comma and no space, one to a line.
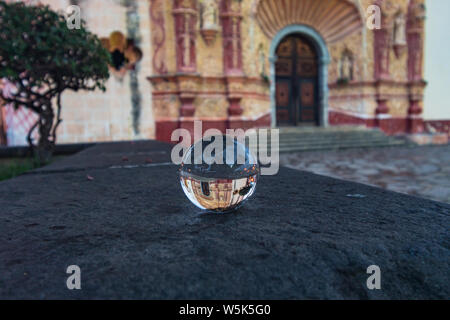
42,57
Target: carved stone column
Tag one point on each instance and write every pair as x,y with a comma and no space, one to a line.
231,17
230,14
188,85
381,47
416,84
382,44
185,16
381,54
234,93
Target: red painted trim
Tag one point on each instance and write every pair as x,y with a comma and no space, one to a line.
368,95
389,125
393,125
164,128
337,118
206,79
260,96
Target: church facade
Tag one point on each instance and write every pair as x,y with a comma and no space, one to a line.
294,62
255,63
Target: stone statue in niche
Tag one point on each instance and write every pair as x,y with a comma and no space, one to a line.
399,29
262,62
399,34
209,20
209,14
346,67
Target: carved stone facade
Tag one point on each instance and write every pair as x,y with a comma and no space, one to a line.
215,88
214,60
384,92
374,76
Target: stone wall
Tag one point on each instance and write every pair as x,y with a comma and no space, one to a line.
98,116
124,111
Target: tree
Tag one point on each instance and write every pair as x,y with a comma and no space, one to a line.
42,58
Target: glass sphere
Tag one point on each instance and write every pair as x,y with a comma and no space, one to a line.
218,173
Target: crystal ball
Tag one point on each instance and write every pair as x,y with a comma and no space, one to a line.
219,173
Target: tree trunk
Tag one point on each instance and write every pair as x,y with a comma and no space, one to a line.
44,149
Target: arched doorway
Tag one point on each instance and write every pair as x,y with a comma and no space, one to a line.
315,57
296,76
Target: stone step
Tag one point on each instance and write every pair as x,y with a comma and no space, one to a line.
333,143
322,129
319,139
283,149
337,146
328,137
332,138
330,134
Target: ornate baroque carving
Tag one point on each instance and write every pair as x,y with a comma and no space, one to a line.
325,16
158,36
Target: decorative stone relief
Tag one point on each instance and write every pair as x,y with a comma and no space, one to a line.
158,36
209,22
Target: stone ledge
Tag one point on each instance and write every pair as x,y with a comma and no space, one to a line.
60,149
135,235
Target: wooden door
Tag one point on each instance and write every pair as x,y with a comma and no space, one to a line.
296,82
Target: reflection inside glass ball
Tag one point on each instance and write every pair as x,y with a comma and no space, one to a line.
219,173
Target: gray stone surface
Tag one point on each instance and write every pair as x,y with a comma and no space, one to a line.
135,235
113,154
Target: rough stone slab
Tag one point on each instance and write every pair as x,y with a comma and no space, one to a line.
109,154
135,235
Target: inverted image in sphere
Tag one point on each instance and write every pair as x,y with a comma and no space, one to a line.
219,173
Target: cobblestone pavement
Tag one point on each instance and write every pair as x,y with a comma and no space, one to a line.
420,171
